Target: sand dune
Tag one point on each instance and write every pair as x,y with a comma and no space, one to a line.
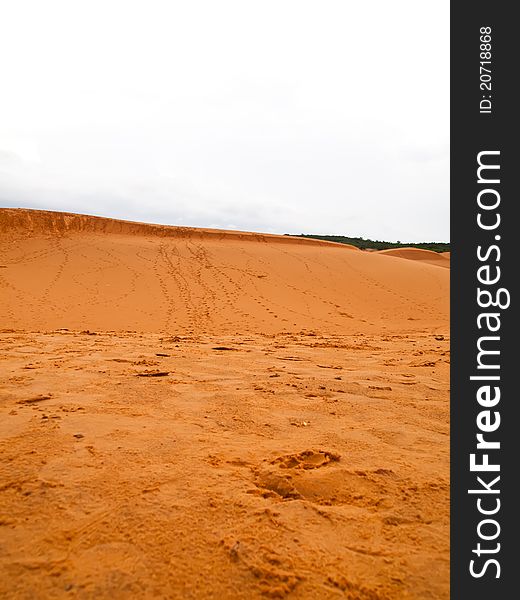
62,223
82,272
439,259
190,413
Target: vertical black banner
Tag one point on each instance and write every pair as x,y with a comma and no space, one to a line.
485,438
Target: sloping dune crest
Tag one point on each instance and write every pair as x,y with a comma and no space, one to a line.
63,223
418,254
83,272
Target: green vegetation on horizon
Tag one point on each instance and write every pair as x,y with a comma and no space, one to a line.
364,244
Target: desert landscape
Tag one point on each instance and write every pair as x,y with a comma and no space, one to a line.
197,413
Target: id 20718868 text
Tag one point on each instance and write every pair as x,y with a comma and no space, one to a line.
485,70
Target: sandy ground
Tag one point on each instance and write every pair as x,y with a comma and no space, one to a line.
198,414
439,259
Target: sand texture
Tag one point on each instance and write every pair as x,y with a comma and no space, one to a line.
439,259
193,413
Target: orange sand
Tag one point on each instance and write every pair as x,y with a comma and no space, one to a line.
439,259
192,413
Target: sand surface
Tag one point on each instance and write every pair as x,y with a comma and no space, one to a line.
438,259
202,414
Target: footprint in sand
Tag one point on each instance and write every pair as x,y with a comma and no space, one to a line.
308,459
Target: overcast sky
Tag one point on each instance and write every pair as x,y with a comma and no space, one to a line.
282,116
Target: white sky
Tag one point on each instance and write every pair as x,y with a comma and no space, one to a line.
281,116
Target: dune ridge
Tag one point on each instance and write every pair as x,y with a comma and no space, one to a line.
440,259
63,223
